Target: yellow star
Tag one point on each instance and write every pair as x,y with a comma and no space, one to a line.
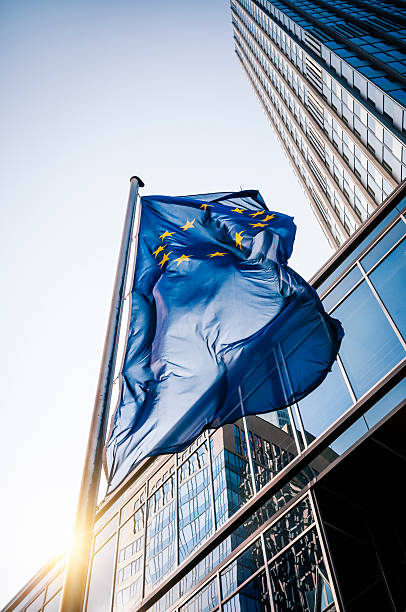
166,235
258,224
188,225
206,205
239,210
268,217
238,238
255,214
217,254
164,259
159,249
182,258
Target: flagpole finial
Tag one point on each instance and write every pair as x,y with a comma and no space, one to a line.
140,181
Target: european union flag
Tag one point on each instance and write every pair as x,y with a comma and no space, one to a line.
220,326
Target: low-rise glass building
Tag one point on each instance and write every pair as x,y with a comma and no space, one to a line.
299,509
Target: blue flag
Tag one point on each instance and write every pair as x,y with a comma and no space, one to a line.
220,326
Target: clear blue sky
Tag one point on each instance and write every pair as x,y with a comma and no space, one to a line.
93,92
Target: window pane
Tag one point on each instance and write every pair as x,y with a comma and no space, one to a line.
341,289
383,246
251,598
325,404
53,605
389,280
161,534
271,443
340,269
101,578
105,533
36,605
163,604
209,562
128,588
55,585
294,575
242,568
205,600
288,528
194,499
231,474
370,347
386,404
350,436
132,505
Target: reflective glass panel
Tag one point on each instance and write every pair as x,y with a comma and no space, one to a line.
99,599
162,474
384,244
53,605
326,596
241,569
288,527
205,600
253,597
135,502
386,404
105,533
194,500
238,536
209,562
340,269
126,598
129,550
54,586
294,575
271,443
325,404
36,605
389,280
370,347
129,570
231,474
38,592
163,604
342,288
161,534
349,437
131,540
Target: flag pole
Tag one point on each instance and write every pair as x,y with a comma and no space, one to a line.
77,569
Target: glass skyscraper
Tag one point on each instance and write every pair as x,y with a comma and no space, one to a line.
331,77
299,510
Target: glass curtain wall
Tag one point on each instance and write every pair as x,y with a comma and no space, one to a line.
335,98
194,493
277,559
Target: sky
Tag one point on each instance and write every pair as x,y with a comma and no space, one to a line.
92,93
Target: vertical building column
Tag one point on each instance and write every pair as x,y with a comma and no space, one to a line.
213,504
249,450
176,511
115,562
144,554
281,378
268,575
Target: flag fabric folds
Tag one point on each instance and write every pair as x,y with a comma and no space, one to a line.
220,326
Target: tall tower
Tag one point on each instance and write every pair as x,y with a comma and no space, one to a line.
331,77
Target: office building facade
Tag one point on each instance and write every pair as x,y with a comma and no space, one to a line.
331,77
299,509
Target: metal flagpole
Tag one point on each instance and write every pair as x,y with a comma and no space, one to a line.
78,564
